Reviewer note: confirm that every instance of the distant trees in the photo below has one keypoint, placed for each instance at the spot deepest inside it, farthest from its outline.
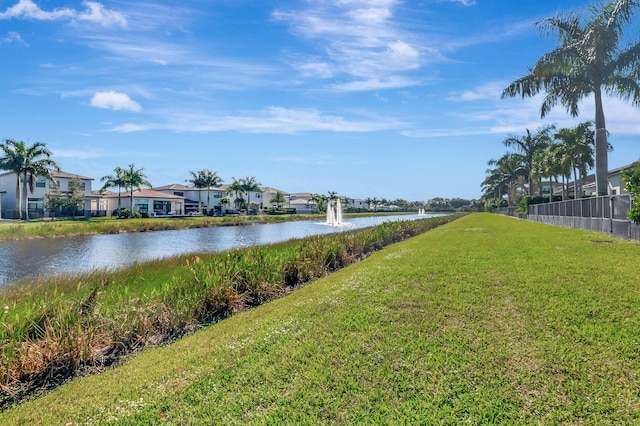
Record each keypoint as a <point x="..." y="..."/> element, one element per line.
<point x="438" y="204"/>
<point x="526" y="147"/>
<point x="204" y="178"/>
<point x="544" y="154"/>
<point x="27" y="162"/>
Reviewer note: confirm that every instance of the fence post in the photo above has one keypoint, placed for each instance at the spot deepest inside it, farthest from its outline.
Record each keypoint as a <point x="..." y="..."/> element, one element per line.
<point x="611" y="214"/>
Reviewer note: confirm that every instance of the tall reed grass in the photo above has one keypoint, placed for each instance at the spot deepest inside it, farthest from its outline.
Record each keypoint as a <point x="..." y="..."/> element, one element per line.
<point x="54" y="329"/>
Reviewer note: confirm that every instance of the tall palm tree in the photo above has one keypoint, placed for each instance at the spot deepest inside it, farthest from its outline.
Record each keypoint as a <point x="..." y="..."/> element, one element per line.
<point x="198" y="182"/>
<point x="116" y="180"/>
<point x="578" y="143"/>
<point x="27" y="162"/>
<point x="505" y="178"/>
<point x="236" y="187"/>
<point x="527" y="146"/>
<point x="135" y="179"/>
<point x="249" y="185"/>
<point x="210" y="179"/>
<point x="589" y="61"/>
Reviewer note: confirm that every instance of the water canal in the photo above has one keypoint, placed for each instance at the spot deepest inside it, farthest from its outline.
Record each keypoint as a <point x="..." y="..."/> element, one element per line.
<point x="25" y="259"/>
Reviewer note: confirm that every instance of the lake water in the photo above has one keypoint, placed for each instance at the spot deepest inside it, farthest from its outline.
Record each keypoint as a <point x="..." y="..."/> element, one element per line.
<point x="25" y="259"/>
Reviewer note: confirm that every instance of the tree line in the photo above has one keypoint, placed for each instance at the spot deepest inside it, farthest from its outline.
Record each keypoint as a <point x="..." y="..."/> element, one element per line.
<point x="594" y="57"/>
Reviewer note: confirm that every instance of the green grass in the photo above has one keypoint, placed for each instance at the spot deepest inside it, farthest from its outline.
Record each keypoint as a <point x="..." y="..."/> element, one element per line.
<point x="484" y="320"/>
<point x="53" y="328"/>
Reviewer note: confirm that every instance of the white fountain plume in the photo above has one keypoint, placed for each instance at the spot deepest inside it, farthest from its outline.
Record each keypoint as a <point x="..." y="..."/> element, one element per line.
<point x="331" y="217"/>
<point x="338" y="213"/>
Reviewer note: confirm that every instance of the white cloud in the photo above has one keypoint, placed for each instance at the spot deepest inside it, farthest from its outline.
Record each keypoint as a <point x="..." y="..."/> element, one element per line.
<point x="393" y="82"/>
<point x="114" y="100"/>
<point x="78" y="154"/>
<point x="463" y="2"/>
<point x="492" y="90"/>
<point x="274" y="120"/>
<point x="356" y="39"/>
<point x="13" y="37"/>
<point x="94" y="13"/>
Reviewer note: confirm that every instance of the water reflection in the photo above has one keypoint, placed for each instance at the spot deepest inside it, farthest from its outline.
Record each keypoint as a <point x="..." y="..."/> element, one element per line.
<point x="26" y="259"/>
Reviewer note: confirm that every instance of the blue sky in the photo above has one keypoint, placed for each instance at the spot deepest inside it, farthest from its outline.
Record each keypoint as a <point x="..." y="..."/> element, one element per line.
<point x="378" y="98"/>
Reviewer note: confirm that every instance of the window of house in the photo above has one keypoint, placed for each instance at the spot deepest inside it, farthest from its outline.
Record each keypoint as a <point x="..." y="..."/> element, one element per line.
<point x="178" y="193"/>
<point x="164" y="206"/>
<point x="141" y="205"/>
<point x="82" y="185"/>
<point x="41" y="182"/>
<point x="35" y="204"/>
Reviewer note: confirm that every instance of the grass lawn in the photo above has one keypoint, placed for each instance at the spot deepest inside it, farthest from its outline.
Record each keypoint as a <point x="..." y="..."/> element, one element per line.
<point x="484" y="320"/>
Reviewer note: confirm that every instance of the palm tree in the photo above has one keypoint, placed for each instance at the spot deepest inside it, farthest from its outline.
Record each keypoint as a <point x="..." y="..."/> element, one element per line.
<point x="588" y="61"/>
<point x="27" y="162"/>
<point x="116" y="180"/>
<point x="278" y="198"/>
<point x="578" y="143"/>
<point x="210" y="179"/>
<point x="134" y="179"/>
<point x="527" y="146"/>
<point x="375" y="202"/>
<point x="545" y="164"/>
<point x="235" y="188"/>
<point x="249" y="185"/>
<point x="198" y="183"/>
<point x="320" y="200"/>
<point x="368" y="200"/>
<point x="505" y="178"/>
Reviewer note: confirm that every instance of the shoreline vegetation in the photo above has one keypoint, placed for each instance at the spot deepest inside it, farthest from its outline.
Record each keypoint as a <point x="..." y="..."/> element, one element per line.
<point x="56" y="328"/>
<point x="484" y="320"/>
<point x="16" y="230"/>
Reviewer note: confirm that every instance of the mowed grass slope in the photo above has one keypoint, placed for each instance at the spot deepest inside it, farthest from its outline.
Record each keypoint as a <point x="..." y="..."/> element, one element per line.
<point x="484" y="320"/>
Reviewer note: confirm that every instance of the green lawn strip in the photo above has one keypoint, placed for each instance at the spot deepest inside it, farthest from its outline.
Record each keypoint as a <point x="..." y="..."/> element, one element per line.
<point x="484" y="320"/>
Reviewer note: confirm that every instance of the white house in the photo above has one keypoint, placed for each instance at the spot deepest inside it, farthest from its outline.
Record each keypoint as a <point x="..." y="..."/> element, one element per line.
<point x="147" y="201"/>
<point x="208" y="198"/>
<point x="35" y="205"/>
<point x="616" y="184"/>
<point x="302" y="202"/>
<point x="267" y="195"/>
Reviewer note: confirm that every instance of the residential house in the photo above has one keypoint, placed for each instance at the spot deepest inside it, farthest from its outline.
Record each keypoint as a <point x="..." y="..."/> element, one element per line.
<point x="268" y="193"/>
<point x="194" y="198"/>
<point x="35" y="204"/>
<point x="302" y="202"/>
<point x="356" y="203"/>
<point x="616" y="184"/>
<point x="146" y="201"/>
<point x="256" y="198"/>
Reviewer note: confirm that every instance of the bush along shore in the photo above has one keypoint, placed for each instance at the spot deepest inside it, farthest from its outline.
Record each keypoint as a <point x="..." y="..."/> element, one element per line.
<point x="58" y="328"/>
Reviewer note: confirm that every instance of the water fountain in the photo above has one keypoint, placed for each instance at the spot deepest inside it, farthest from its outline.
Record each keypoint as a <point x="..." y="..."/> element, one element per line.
<point x="334" y="213"/>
